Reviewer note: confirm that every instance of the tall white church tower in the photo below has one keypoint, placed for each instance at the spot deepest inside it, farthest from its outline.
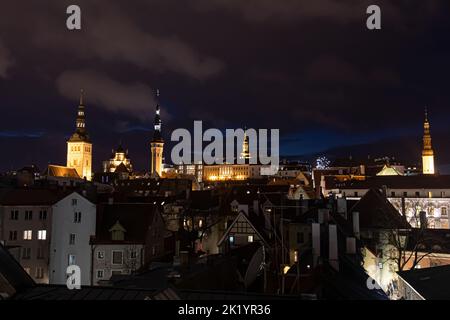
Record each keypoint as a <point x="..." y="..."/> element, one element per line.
<point x="157" y="143"/>
<point x="79" y="146"/>
<point x="427" y="152"/>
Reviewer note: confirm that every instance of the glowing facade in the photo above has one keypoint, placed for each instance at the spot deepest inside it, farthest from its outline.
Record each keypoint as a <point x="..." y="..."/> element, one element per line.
<point x="79" y="146"/>
<point x="119" y="159"/>
<point x="427" y="152"/>
<point x="157" y="144"/>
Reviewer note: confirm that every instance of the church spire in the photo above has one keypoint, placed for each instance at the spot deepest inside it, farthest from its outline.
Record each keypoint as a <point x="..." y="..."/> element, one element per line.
<point x="157" y="136"/>
<point x="427" y="151"/>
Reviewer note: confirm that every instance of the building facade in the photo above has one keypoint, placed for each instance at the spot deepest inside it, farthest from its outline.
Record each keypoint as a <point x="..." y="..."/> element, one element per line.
<point x="73" y="224"/>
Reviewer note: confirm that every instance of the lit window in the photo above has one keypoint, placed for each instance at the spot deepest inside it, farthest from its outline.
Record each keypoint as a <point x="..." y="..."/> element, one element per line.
<point x="39" y="273"/>
<point x="296" y="256"/>
<point x="250" y="238"/>
<point x="231" y="239"/>
<point x="200" y="223"/>
<point x="27" y="235"/>
<point x="42" y="234"/>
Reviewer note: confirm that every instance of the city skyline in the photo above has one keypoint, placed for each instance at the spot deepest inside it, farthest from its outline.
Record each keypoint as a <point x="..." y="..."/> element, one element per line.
<point x="224" y="78"/>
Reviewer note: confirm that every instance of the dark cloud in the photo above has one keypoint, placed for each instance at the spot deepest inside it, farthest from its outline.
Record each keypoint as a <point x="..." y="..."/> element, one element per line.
<point x="6" y="60"/>
<point x="309" y="68"/>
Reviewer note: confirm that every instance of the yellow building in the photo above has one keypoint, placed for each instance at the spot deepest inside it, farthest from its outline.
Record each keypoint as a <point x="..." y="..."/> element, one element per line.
<point x="427" y="152"/>
<point x="119" y="158"/>
<point x="157" y="144"/>
<point x="79" y="146"/>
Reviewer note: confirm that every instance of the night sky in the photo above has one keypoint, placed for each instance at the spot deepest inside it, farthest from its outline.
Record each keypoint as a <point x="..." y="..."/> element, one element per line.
<point x="310" y="68"/>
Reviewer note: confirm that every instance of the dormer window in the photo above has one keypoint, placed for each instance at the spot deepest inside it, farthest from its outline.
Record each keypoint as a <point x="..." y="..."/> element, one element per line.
<point x="117" y="232"/>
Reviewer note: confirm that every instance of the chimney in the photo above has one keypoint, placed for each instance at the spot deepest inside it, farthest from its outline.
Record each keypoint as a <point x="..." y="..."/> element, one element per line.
<point x="423" y="220"/>
<point x="256" y="207"/>
<point x="315" y="242"/>
<point x="342" y="207"/>
<point x="351" y="245"/>
<point x="323" y="215"/>
<point x="184" y="258"/>
<point x="356" y="231"/>
<point x="333" y="247"/>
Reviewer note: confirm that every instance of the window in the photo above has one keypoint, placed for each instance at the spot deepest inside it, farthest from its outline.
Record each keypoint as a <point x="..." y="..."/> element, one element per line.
<point x="356" y="193"/>
<point x="40" y="253"/>
<point x="443" y="211"/>
<point x="72" y="259"/>
<point x="100" y="255"/>
<point x="117" y="257"/>
<point x="405" y="194"/>
<point x="27" y="235"/>
<point x="39" y="273"/>
<point x="43" y="215"/>
<point x="42" y="235"/>
<point x="28" y="215"/>
<point x="250" y="238"/>
<point x="74" y="202"/>
<point x="72" y="239"/>
<point x="77" y="217"/>
<point x="231" y="239"/>
<point x="300" y="237"/>
<point x="13" y="235"/>
<point x="200" y="223"/>
<point x="14" y="215"/>
<point x="26" y="253"/>
<point x="296" y="256"/>
<point x="417" y="193"/>
<point x="392" y="193"/>
<point x="133" y="254"/>
<point x="100" y="274"/>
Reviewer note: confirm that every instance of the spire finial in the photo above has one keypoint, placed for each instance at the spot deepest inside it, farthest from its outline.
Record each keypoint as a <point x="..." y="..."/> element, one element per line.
<point x="81" y="96"/>
<point x="426" y="114"/>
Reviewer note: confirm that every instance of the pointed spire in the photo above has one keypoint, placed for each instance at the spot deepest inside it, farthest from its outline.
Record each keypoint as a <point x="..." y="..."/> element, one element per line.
<point x="426" y="114"/>
<point x="81" y="96"/>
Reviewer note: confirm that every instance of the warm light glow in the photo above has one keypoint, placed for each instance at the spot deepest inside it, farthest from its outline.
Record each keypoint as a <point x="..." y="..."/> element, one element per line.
<point x="286" y="269"/>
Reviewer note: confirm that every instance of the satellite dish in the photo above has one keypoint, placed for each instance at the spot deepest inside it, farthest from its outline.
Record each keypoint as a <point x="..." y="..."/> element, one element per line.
<point x="254" y="267"/>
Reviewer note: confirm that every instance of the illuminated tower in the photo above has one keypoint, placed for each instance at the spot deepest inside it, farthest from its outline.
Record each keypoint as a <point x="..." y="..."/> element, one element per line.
<point x="245" y="154"/>
<point x="157" y="143"/>
<point x="427" y="152"/>
<point x="79" y="146"/>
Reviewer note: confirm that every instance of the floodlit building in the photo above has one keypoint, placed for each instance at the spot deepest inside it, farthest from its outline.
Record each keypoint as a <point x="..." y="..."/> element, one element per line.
<point x="79" y="146"/>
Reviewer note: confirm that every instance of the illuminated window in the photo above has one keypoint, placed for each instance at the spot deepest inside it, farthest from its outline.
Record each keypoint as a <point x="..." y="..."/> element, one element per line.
<point x="42" y="235"/>
<point x="231" y="239"/>
<point x="27" y="235"/>
<point x="250" y="238"/>
<point x="443" y="211"/>
<point x="296" y="256"/>
<point x="200" y="223"/>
